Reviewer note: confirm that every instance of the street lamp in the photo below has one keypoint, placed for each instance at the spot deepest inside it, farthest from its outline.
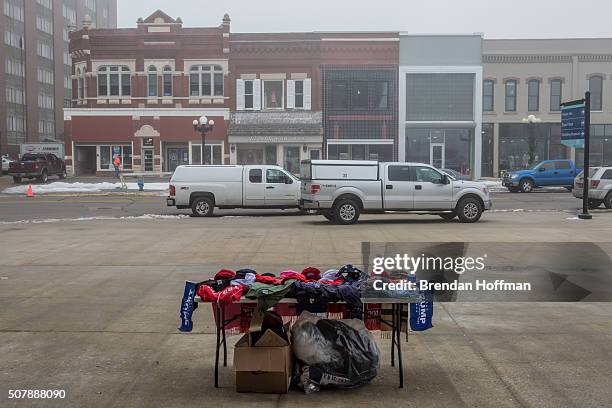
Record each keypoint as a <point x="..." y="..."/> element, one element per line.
<point x="531" y="121"/>
<point x="203" y="126"/>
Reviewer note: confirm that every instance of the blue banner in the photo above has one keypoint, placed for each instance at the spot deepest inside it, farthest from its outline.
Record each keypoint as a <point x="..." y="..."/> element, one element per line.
<point x="573" y="124"/>
<point x="188" y="305"/>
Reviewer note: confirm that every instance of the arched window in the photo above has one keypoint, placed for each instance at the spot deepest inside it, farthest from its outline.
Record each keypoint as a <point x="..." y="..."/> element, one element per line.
<point x="596" y="89"/>
<point x="152" y="81"/>
<point x="206" y="80"/>
<point x="114" y="80"/>
<point x="167" y="80"/>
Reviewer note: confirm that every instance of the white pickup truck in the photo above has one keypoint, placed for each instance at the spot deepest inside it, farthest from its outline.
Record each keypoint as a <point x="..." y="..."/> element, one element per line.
<point x="341" y="190"/>
<point x="202" y="188"/>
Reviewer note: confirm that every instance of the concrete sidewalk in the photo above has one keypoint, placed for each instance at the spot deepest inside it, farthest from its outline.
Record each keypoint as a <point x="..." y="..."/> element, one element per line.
<point x="94" y="311"/>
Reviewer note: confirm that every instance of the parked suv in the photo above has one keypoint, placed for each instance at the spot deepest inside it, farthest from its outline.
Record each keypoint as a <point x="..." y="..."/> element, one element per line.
<point x="600" y="190"/>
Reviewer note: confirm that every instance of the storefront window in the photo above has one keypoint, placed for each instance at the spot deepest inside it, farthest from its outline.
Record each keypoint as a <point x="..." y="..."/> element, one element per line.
<point x="291" y="162"/>
<point x="196" y="154"/>
<point x="521" y="146"/>
<point x="248" y="155"/>
<point x="600" y="149"/>
<point x="213" y="151"/>
<point x="443" y="148"/>
<point x="105" y="158"/>
<point x="271" y="155"/>
<point x="273" y="94"/>
<point x="376" y="152"/>
<point x="107" y="155"/>
<point x="488" y="141"/>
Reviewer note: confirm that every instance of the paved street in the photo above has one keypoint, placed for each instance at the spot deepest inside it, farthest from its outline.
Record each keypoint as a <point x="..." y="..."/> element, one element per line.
<point x="16" y="208"/>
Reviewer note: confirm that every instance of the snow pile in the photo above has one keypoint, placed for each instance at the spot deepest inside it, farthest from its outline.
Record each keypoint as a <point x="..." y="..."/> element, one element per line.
<point x="61" y="187"/>
<point x="132" y="217"/>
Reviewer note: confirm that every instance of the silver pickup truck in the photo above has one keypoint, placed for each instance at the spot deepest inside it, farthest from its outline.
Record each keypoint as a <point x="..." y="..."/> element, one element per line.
<point x="341" y="190"/>
<point x="202" y="188"/>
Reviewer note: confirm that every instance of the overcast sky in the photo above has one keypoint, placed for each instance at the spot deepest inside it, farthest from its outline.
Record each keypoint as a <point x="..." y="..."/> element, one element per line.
<point x="495" y="18"/>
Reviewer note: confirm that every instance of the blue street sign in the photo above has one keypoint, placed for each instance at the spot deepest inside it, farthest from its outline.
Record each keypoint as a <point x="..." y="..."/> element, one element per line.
<point x="573" y="124"/>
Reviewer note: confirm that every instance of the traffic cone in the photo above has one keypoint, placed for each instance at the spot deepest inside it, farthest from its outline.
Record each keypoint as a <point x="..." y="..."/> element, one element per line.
<point x="30" y="191"/>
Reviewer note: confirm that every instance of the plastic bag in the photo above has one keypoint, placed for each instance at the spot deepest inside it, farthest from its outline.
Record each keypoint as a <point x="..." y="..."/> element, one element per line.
<point x="333" y="353"/>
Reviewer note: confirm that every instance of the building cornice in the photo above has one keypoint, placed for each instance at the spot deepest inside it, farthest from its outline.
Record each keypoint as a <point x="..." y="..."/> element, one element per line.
<point x="525" y="59"/>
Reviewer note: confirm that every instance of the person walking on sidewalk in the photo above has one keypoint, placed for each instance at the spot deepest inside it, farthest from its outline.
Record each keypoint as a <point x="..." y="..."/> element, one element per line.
<point x="118" y="173"/>
<point x="117" y="165"/>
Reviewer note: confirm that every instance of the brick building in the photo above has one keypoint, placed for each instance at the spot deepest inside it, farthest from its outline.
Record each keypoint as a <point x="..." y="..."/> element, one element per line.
<point x="276" y="113"/>
<point x="360" y="95"/>
<point x="136" y="92"/>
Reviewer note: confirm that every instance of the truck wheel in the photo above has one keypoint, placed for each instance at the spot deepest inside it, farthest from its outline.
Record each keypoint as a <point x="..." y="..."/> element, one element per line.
<point x="16" y="180"/>
<point x="608" y="201"/>
<point x="593" y="204"/>
<point x="63" y="175"/>
<point x="328" y="215"/>
<point x="203" y="207"/>
<point x="448" y="216"/>
<point x="526" y="186"/>
<point x="346" y="212"/>
<point x="44" y="177"/>
<point x="469" y="210"/>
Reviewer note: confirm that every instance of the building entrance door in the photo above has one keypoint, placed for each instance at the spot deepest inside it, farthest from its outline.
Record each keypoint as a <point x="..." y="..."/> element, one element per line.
<point x="436" y="155"/>
<point x="147" y="159"/>
<point x="177" y="156"/>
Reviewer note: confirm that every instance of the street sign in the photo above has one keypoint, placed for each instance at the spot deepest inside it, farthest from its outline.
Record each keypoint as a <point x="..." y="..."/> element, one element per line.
<point x="573" y="123"/>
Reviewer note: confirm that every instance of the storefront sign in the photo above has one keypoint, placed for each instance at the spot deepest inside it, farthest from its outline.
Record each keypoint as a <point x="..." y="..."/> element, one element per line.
<point x="276" y="139"/>
<point x="573" y="123"/>
<point x="147" y="142"/>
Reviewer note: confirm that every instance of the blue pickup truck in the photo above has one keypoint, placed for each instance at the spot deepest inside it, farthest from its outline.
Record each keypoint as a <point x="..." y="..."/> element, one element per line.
<point x="549" y="173"/>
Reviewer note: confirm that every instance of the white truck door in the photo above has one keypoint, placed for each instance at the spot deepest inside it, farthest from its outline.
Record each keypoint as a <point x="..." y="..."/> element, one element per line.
<point x="254" y="195"/>
<point x="429" y="192"/>
<point x="281" y="189"/>
<point x="398" y="188"/>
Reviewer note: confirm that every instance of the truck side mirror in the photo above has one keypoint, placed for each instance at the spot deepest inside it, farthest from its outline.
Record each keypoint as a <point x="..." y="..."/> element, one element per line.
<point x="288" y="180"/>
<point x="542" y="169"/>
<point x="444" y="179"/>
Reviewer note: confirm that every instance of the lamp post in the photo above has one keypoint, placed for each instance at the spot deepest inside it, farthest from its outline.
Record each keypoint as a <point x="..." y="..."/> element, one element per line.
<point x="531" y="122"/>
<point x="203" y="126"/>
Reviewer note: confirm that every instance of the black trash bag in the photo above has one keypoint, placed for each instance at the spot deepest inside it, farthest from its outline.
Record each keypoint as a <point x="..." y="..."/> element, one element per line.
<point x="333" y="353"/>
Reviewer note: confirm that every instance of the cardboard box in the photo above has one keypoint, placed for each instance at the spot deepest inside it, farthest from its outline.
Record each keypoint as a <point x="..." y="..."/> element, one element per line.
<point x="264" y="368"/>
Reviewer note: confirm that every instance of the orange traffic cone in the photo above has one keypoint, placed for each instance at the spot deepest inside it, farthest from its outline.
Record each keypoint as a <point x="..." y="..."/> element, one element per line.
<point x="30" y="191"/>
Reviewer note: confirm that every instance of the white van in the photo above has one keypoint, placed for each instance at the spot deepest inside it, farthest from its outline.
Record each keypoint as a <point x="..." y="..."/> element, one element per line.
<point x="202" y="188"/>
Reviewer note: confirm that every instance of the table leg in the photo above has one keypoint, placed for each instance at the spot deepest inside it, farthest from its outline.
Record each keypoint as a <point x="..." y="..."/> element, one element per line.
<point x="223" y="331"/>
<point x="219" y="323"/>
<point x="393" y="324"/>
<point x="399" y="345"/>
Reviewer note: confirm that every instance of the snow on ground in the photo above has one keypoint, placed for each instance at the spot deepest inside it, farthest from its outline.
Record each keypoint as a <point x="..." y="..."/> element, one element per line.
<point x="140" y="217"/>
<point x="61" y="187"/>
